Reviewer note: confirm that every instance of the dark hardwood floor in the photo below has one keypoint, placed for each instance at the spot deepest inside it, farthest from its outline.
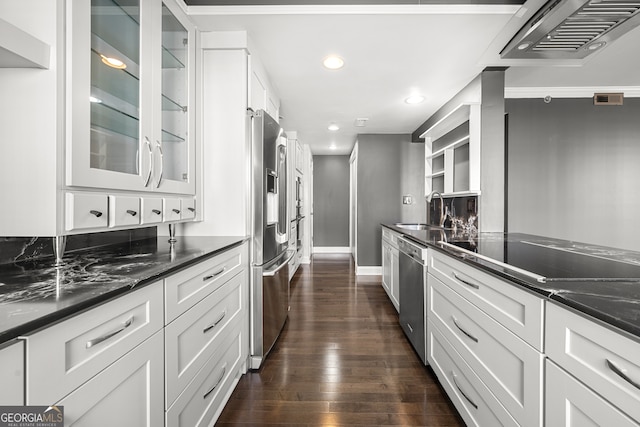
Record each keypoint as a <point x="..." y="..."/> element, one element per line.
<point x="342" y="360"/>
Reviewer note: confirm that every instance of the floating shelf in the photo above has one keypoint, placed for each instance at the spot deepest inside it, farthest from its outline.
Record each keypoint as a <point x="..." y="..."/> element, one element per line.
<point x="19" y="49"/>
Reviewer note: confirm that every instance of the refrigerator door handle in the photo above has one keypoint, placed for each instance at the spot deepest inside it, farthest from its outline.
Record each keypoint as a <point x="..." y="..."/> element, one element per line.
<point x="278" y="267"/>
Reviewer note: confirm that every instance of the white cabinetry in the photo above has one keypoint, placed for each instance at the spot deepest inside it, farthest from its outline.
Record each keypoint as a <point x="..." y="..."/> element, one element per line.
<point x="135" y="138"/>
<point x="452" y="153"/>
<point x="129" y="392"/>
<point x="206" y="337"/>
<point x="12" y="374"/>
<point x="605" y="364"/>
<point x="491" y="328"/>
<point x="130" y="128"/>
<point x="390" y="266"/>
<point x="62" y="357"/>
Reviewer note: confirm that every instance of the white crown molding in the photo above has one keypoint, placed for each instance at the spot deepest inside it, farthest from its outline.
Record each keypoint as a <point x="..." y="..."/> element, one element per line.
<point x="430" y="9"/>
<point x="569" y="92"/>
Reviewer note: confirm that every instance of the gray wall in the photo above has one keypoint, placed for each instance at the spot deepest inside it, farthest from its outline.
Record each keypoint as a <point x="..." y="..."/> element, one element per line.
<point x="389" y="166"/>
<point x="574" y="170"/>
<point x="331" y="201"/>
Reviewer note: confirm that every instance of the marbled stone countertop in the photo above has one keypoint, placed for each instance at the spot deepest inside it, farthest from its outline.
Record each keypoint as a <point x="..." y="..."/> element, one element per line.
<point x="598" y="281"/>
<point x="36" y="293"/>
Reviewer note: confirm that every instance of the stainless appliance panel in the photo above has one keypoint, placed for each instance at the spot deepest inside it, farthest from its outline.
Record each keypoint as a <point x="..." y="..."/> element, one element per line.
<point x="412" y="296"/>
<point x="271" y="289"/>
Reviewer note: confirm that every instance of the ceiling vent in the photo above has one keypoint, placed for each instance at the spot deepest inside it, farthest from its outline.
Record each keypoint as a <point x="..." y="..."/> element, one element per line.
<point x="361" y="122"/>
<point x="608" y="98"/>
<point x="573" y="28"/>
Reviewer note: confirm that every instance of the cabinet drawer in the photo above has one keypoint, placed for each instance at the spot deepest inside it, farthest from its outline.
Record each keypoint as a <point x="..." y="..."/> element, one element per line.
<point x="12" y="374"/>
<point x="62" y="357"/>
<point x="171" y="210"/>
<point x="390" y="236"/>
<point x="517" y="310"/>
<point x="193" y="337"/>
<point x="570" y="403"/>
<point x="151" y="210"/>
<point x="184" y="289"/>
<point x="596" y="355"/>
<point x="475" y="403"/>
<point x="203" y="400"/>
<point x="124" y="210"/>
<point x="187" y="208"/>
<point x="86" y="211"/>
<point x="510" y="367"/>
<point x="127" y="393"/>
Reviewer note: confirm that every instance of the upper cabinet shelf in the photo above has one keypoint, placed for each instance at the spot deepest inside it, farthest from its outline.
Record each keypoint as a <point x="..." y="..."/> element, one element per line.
<point x="19" y="49"/>
<point x="452" y="152"/>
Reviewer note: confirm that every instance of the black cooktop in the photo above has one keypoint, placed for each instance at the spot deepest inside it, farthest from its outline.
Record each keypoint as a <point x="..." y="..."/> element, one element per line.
<point x="555" y="260"/>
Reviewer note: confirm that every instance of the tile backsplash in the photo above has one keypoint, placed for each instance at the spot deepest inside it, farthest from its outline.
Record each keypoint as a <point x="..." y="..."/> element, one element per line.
<point x="16" y="249"/>
<point x="463" y="211"/>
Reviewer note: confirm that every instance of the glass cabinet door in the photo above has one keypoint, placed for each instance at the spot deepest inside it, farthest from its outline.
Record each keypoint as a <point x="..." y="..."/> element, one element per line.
<point x="115" y="86"/>
<point x="174" y="146"/>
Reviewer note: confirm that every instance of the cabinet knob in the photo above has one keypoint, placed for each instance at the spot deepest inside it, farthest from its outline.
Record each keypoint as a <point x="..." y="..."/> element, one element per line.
<point x="156" y="211"/>
<point x="177" y="211"/>
<point x="132" y="213"/>
<point x="192" y="209"/>
<point x="98" y="214"/>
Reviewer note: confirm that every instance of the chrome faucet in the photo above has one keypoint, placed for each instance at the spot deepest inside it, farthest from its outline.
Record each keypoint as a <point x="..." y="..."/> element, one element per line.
<point x="442" y="213"/>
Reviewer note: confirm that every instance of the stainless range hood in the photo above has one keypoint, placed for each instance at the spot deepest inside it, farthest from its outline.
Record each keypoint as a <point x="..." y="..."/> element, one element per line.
<point x="573" y="29"/>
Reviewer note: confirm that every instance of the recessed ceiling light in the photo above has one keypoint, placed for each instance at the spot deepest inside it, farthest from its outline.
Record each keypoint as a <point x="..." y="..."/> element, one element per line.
<point x="414" y="99"/>
<point x="333" y="127"/>
<point x="113" y="62"/>
<point x="333" y="62"/>
<point x="332" y="147"/>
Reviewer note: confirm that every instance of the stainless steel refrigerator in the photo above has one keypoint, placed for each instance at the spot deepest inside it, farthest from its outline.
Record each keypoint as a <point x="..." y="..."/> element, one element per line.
<point x="270" y="235"/>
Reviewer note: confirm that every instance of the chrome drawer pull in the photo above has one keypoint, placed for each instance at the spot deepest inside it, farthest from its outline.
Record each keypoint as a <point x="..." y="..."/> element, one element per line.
<point x="453" y="376"/>
<point x="214" y="324"/>
<point x="410" y="328"/>
<point x="98" y="214"/>
<point x="455" y="322"/>
<point x="108" y="335"/>
<point x="621" y="373"/>
<point x="217" y="273"/>
<point x="473" y="285"/>
<point x="224" y="370"/>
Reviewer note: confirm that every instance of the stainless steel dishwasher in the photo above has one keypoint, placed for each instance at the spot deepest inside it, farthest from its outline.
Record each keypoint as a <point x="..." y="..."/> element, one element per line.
<point x="412" y="294"/>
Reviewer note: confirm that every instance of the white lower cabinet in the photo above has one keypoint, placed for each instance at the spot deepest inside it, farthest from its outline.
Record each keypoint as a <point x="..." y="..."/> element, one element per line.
<point x="570" y="403"/>
<point x="390" y="266"/>
<point x="475" y="403"/>
<point x="494" y="331"/>
<point x="605" y="361"/>
<point x="202" y="401"/>
<point x="12" y="374"/>
<point x="128" y="363"/>
<point x="127" y="393"/>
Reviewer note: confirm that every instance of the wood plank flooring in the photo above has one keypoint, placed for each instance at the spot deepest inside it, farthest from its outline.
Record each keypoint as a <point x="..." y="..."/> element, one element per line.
<point x="342" y="360"/>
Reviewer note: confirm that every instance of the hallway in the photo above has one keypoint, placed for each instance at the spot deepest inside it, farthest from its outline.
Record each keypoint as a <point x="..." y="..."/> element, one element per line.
<point x="342" y="360"/>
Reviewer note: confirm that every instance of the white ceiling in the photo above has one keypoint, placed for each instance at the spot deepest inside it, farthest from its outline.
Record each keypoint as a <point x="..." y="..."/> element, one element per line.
<point x="391" y="52"/>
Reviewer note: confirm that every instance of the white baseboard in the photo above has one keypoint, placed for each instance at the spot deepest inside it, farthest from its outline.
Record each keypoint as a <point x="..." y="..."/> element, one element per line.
<point x="331" y="250"/>
<point x="369" y="271"/>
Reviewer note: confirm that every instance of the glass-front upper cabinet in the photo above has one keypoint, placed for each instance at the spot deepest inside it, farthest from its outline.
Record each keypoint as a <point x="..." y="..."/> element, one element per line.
<point x="175" y="145"/>
<point x="130" y="82"/>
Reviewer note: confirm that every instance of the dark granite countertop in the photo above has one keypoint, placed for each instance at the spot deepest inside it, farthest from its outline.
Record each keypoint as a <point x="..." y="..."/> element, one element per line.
<point x="598" y="281"/>
<point x="37" y="293"/>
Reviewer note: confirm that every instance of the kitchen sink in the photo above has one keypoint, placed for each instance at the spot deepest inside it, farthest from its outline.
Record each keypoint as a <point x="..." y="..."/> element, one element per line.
<point x="412" y="226"/>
